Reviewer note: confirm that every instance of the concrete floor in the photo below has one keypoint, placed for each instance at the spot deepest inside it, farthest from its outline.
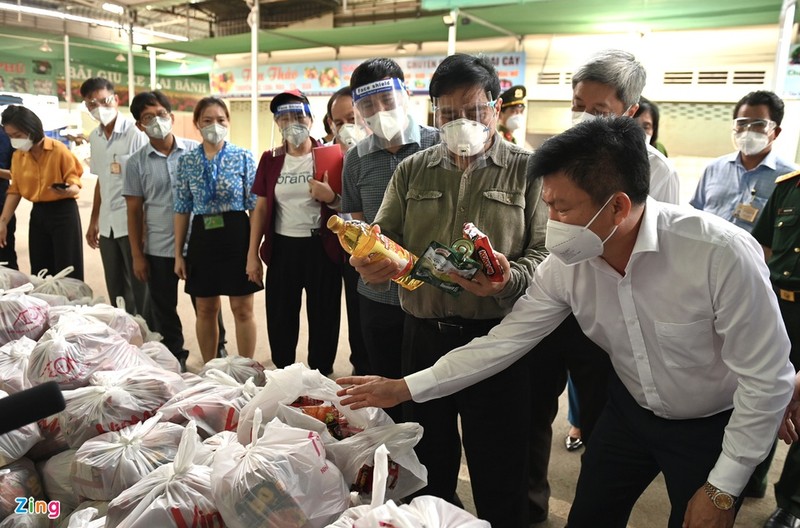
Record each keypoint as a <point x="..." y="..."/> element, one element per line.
<point x="651" y="511"/>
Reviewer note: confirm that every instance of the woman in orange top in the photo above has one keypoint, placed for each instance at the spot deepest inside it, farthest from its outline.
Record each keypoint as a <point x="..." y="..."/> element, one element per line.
<point x="45" y="172"/>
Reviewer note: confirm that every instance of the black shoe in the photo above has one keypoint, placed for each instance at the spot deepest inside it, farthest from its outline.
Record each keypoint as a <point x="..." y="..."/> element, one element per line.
<point x="780" y="518"/>
<point x="182" y="362"/>
<point x="539" y="519"/>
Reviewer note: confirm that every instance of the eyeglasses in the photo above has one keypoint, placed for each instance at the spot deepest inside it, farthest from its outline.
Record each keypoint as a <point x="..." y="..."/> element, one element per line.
<point x="765" y="126"/>
<point x="147" y="119"/>
<point x="480" y="112"/>
<point x="91" y="104"/>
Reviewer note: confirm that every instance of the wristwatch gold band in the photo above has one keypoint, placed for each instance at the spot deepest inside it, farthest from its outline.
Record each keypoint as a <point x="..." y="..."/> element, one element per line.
<point x="720" y="499"/>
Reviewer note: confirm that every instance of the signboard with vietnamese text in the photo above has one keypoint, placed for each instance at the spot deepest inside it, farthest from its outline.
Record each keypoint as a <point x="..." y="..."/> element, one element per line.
<point x="324" y="78"/>
<point x="46" y="77"/>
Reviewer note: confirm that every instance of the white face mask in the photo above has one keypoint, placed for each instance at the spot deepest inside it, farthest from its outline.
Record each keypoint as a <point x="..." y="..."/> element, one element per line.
<point x="648" y="138"/>
<point x="296" y="134"/>
<point x="104" y="114"/>
<point x="581" y="117"/>
<point x="159" y="128"/>
<point x="386" y="124"/>
<point x="572" y="244"/>
<point x="465" y="137"/>
<point x="750" y="143"/>
<point x="214" y="133"/>
<point x="22" y="144"/>
<point x="350" y="134"/>
<point x="515" y="122"/>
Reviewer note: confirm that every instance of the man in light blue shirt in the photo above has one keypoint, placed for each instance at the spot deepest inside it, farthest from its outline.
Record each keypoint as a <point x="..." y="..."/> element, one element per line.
<point x="736" y="186"/>
<point x="147" y="188"/>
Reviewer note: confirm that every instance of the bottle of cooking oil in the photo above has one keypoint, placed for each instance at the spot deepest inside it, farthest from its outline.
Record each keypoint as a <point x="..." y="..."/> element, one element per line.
<point x="360" y="239"/>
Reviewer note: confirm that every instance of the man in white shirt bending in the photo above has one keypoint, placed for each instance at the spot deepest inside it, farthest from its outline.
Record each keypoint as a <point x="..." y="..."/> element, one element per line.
<point x="681" y="302"/>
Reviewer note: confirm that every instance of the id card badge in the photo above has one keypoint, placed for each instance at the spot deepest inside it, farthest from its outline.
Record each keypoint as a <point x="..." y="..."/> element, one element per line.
<point x="116" y="167"/>
<point x="746" y="212"/>
<point x="213" y="221"/>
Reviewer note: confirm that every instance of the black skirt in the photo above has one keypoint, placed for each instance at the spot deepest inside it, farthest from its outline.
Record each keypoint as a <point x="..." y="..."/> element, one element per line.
<point x="216" y="261"/>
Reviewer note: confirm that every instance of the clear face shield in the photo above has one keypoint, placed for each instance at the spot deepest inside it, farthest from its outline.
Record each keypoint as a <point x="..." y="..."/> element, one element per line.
<point x="751" y="136"/>
<point x="292" y="124"/>
<point x="382" y="110"/>
<point x="466" y="129"/>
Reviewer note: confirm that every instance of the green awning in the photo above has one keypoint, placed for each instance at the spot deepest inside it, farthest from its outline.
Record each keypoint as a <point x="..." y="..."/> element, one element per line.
<point x="523" y="18"/>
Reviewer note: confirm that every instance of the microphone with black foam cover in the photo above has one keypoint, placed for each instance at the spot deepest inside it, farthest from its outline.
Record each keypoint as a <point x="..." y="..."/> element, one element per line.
<point x="30" y="405"/>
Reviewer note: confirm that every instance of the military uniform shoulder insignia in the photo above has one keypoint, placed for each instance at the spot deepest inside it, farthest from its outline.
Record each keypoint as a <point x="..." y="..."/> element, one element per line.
<point x="787" y="177"/>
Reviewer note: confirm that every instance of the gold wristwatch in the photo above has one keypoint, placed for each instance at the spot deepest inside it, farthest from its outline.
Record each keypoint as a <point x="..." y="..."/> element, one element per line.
<point x="719" y="498"/>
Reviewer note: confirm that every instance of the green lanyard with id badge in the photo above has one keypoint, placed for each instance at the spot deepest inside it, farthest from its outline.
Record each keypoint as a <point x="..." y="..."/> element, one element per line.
<point x="211" y="173"/>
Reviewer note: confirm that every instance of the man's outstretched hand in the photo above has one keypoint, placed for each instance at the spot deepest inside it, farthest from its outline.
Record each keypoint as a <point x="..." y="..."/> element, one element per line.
<point x="372" y="391"/>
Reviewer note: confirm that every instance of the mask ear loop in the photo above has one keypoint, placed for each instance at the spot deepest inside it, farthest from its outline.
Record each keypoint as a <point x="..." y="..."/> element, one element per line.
<point x="598" y="212"/>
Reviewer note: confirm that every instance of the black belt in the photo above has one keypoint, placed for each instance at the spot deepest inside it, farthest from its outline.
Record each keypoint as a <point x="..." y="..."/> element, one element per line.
<point x="458" y="326"/>
<point x="316" y="231"/>
<point x="788" y="295"/>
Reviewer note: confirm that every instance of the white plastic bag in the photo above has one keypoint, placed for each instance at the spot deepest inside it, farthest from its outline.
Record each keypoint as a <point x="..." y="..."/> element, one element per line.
<point x="212" y="444"/>
<point x="14" y="358"/>
<point x="147" y="334"/>
<point x="422" y="512"/>
<point x="159" y="353"/>
<point x="108" y="464"/>
<point x="52" y="300"/>
<point x="55" y="473"/>
<point x="214" y="404"/>
<point x="286" y="385"/>
<point x="88" y="514"/>
<point x="115" y="400"/>
<point x="26" y="520"/>
<point x="76" y="347"/>
<point x="280" y="479"/>
<point x="11" y="278"/>
<point x="60" y="284"/>
<point x="174" y="495"/>
<point x="119" y="320"/>
<point x="239" y="368"/>
<point x="21" y="315"/>
<point x="15" y="444"/>
<point x="18" y="479"/>
<point x="52" y="442"/>
<point x="355" y="455"/>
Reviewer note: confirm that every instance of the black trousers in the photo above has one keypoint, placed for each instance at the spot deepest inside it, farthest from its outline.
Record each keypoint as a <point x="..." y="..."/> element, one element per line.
<point x="493" y="424"/>
<point x="787" y="489"/>
<point x="629" y="447"/>
<point x="8" y="254"/>
<point x="565" y="349"/>
<point x="382" y="331"/>
<point x="301" y="264"/>
<point x="358" y="350"/>
<point x="115" y="253"/>
<point x="163" y="285"/>
<point x="55" y="237"/>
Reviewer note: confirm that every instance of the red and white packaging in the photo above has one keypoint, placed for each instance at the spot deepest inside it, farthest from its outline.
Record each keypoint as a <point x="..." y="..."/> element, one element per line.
<point x="483" y="252"/>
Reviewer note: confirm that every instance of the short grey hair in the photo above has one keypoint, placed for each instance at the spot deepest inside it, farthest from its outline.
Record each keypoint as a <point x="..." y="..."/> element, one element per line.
<point x="616" y="68"/>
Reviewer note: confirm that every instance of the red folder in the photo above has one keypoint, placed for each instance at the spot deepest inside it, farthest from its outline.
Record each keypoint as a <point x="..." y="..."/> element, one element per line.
<point x="331" y="159"/>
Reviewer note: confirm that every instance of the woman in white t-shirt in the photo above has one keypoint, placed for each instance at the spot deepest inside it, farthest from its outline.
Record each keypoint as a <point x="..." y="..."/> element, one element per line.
<point x="289" y="234"/>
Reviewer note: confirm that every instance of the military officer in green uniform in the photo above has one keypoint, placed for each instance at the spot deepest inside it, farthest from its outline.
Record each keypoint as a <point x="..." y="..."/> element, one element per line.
<point x="511" y="112"/>
<point x="778" y="230"/>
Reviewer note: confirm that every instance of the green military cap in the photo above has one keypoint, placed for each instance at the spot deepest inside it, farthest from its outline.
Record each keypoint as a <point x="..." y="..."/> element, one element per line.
<point x="514" y="96"/>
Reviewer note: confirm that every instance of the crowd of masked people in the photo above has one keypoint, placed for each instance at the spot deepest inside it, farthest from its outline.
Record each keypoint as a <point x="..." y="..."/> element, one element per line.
<point x="678" y="327"/>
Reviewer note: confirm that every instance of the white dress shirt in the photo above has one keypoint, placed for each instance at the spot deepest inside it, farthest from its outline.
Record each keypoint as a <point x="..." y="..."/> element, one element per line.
<point x="664" y="182"/>
<point x="692" y="329"/>
<point x="124" y="141"/>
